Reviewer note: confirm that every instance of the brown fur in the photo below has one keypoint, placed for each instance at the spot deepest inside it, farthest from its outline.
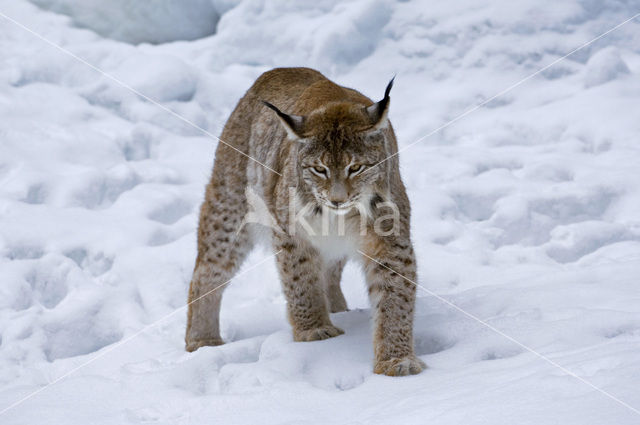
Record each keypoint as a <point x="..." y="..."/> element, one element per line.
<point x="331" y="128"/>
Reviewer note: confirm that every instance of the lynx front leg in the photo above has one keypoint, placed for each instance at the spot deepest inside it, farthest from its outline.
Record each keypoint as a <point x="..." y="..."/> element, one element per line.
<point x="335" y="297"/>
<point x="300" y="270"/>
<point x="393" y="298"/>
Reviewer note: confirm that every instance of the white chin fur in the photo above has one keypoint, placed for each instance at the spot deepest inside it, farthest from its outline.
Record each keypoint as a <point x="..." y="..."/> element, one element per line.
<point x="339" y="211"/>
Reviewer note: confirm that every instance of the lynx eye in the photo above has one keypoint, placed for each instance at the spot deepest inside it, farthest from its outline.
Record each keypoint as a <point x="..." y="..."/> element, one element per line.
<point x="355" y="169"/>
<point x="320" y="171"/>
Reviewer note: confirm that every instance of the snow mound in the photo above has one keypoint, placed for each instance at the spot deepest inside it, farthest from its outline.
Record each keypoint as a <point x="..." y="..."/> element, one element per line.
<point x="331" y="35"/>
<point x="132" y="21"/>
<point x="162" y="78"/>
<point x="604" y="66"/>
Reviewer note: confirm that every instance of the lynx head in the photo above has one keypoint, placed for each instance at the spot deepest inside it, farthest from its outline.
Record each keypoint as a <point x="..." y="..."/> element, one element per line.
<point x="338" y="143"/>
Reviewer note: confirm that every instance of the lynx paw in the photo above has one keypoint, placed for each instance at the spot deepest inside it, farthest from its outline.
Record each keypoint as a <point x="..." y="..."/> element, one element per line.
<point x="193" y="345"/>
<point x="317" y="334"/>
<point x="410" y="365"/>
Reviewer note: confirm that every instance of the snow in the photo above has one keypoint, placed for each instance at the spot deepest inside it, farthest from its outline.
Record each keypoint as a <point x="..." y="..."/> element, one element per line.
<point x="157" y="21"/>
<point x="525" y="212"/>
<point x="605" y="65"/>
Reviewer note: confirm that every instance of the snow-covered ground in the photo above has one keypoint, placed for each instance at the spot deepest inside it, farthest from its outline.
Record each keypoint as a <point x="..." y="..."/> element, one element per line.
<point x="525" y="212"/>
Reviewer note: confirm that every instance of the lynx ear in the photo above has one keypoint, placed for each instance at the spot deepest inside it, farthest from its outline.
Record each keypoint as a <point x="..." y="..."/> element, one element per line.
<point x="377" y="112"/>
<point x="294" y="124"/>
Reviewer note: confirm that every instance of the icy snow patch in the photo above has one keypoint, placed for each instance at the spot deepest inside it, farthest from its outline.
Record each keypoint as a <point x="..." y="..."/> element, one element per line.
<point x="132" y="21"/>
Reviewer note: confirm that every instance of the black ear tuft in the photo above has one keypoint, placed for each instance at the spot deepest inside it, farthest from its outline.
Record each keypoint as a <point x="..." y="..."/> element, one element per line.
<point x="378" y="111"/>
<point x="389" y="87"/>
<point x="294" y="124"/>
<point x="271" y="106"/>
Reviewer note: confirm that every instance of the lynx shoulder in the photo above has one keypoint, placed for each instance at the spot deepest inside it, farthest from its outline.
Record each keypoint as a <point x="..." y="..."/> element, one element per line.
<point x="314" y="166"/>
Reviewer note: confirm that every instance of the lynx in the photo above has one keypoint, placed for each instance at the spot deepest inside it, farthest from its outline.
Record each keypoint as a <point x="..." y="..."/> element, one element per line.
<point x="321" y="168"/>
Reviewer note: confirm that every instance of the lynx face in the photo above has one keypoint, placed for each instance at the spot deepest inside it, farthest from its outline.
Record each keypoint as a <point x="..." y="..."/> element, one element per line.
<point x="333" y="165"/>
<point x="338" y="143"/>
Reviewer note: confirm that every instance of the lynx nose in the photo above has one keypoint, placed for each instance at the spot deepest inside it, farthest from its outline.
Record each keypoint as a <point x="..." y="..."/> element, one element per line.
<point x="337" y="194"/>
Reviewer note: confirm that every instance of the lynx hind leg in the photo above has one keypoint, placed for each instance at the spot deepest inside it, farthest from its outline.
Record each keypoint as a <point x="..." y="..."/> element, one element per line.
<point x="203" y="322"/>
<point x="335" y="297"/>
<point x="302" y="281"/>
<point x="222" y="247"/>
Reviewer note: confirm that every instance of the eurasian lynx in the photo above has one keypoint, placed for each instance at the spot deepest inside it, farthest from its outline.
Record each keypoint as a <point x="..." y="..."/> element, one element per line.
<point x="333" y="196"/>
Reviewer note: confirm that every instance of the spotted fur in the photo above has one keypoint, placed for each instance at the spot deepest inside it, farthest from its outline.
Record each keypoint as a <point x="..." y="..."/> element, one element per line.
<point x="292" y="120"/>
